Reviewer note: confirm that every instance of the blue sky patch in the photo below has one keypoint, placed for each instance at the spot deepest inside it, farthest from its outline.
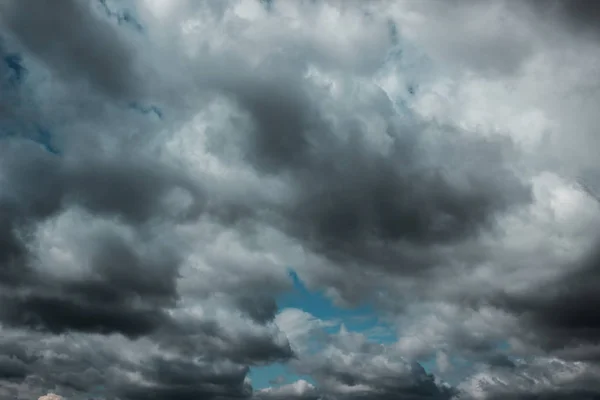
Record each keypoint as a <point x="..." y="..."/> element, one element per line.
<point x="268" y="4"/>
<point x="363" y="319"/>
<point x="147" y="110"/>
<point x="39" y="135"/>
<point x="275" y="375"/>
<point x="17" y="70"/>
<point x="44" y="137"/>
<point x="123" y="17"/>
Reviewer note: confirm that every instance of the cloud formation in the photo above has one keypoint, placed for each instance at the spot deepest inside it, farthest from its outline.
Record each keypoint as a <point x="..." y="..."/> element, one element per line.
<point x="50" y="396"/>
<point x="163" y="164"/>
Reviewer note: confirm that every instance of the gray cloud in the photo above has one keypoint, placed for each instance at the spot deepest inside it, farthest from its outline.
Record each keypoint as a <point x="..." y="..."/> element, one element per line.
<point x="189" y="380"/>
<point x="562" y="313"/>
<point x="354" y="203"/>
<point x="111" y="366"/>
<point x="85" y="47"/>
<point x="44" y="185"/>
<point x="540" y="378"/>
<point x="347" y="365"/>
<point x="581" y="16"/>
<point x="427" y="171"/>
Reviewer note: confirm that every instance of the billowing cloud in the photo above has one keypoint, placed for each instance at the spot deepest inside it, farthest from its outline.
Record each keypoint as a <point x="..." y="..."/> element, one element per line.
<point x="85" y="48"/>
<point x="347" y="365"/>
<point x="164" y="164"/>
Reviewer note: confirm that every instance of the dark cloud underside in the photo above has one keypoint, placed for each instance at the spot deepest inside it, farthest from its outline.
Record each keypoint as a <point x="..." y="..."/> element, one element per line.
<point x="158" y="183"/>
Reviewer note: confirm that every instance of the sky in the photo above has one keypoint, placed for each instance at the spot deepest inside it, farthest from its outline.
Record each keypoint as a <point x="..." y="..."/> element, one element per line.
<point x="311" y="199"/>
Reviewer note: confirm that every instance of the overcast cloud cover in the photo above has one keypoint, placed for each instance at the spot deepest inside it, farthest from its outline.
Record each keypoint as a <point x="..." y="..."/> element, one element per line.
<point x="164" y="164"/>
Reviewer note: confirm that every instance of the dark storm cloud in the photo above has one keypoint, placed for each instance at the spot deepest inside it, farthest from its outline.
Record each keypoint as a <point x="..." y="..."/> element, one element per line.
<point x="374" y="193"/>
<point x="211" y="364"/>
<point x="43" y="185"/>
<point x="584" y="13"/>
<point x="260" y="308"/>
<point x="126" y="186"/>
<point x="12" y="368"/>
<point x="186" y="380"/>
<point x="80" y="365"/>
<point x="581" y="16"/>
<point x="60" y="315"/>
<point x="134" y="189"/>
<point x="75" y="43"/>
<point x="352" y="202"/>
<point x="283" y="120"/>
<point x="499" y="361"/>
<point x="103" y="302"/>
<point x="204" y="391"/>
<point x="74" y="369"/>
<point x="565" y="312"/>
<point x="216" y="341"/>
<point x="128" y="284"/>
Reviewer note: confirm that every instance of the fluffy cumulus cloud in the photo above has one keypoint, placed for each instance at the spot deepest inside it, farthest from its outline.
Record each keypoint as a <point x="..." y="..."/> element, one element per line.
<point x="163" y="165"/>
<point x="348" y="365"/>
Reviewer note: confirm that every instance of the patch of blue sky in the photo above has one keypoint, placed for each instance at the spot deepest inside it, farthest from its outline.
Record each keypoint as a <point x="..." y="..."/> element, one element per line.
<point x="503" y="346"/>
<point x="267" y="4"/>
<point x="16" y="71"/>
<point x="45" y="138"/>
<point x="393" y="31"/>
<point x="10" y="129"/>
<point x="454" y="373"/>
<point x="362" y="319"/>
<point x="124" y="17"/>
<point x="458" y="369"/>
<point x="11" y="125"/>
<point x="412" y="67"/>
<point x="147" y="110"/>
<point x="275" y="375"/>
<point x="429" y="364"/>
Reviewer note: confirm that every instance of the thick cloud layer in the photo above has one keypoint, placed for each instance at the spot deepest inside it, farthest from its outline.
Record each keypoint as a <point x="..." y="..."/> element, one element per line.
<point x="163" y="164"/>
<point x="86" y="47"/>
